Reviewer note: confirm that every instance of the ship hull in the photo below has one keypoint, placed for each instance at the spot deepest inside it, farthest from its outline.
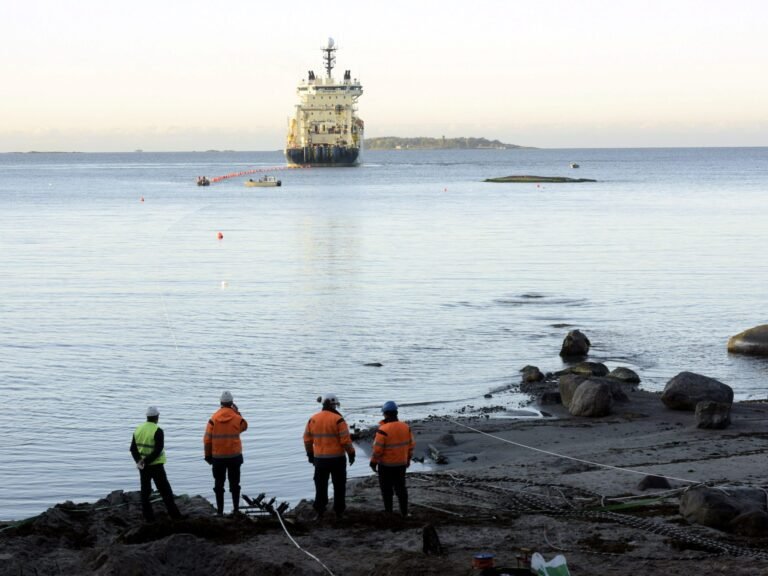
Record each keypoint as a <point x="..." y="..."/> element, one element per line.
<point x="323" y="156"/>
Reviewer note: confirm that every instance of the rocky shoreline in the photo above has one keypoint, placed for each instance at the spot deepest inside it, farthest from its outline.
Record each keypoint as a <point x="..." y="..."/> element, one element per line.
<point x="642" y="488"/>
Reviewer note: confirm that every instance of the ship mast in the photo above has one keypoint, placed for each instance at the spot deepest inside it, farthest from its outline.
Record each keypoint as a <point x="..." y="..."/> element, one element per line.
<point x="330" y="56"/>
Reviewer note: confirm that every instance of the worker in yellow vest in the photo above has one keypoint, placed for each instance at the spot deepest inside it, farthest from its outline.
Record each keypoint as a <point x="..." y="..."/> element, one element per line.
<point x="148" y="451"/>
<point x="328" y="445"/>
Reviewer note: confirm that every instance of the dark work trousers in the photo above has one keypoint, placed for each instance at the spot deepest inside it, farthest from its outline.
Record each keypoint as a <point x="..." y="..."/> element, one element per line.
<point x="392" y="479"/>
<point x="336" y="468"/>
<point x="224" y="468"/>
<point x="156" y="473"/>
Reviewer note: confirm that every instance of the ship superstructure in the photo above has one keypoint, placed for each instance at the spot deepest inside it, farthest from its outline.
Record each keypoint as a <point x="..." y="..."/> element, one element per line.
<point x="325" y="129"/>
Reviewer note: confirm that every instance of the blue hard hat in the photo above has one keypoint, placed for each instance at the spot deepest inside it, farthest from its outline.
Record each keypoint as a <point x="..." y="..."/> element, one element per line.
<point x="389" y="406"/>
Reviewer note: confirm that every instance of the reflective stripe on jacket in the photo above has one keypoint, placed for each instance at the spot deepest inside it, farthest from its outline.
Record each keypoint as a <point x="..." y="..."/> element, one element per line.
<point x="222" y="434"/>
<point x="327" y="435"/>
<point x="144" y="436"/>
<point x="393" y="444"/>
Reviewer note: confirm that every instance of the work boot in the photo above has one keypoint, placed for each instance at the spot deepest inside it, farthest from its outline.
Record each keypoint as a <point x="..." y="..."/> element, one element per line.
<point x="235" y="501"/>
<point x="219" y="504"/>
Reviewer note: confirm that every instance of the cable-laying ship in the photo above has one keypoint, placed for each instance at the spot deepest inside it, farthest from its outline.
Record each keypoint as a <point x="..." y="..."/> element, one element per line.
<point x="325" y="130"/>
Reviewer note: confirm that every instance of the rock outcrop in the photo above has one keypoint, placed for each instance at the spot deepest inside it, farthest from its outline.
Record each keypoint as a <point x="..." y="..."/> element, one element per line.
<point x="753" y="341"/>
<point x="589" y="369"/>
<point x="575" y="345"/>
<point x="592" y="398"/>
<point x="624" y="375"/>
<point x="567" y="387"/>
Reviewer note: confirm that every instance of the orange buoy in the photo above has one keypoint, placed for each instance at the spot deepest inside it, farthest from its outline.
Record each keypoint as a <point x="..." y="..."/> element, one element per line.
<point x="220" y="236"/>
<point x="142" y="198"/>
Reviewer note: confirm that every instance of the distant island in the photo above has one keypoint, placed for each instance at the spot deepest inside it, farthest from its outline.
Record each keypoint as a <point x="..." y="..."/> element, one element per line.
<point x="424" y="143"/>
<point x="529" y="179"/>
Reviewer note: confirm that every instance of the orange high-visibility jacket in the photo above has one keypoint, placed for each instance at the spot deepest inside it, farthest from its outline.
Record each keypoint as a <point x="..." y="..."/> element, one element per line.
<point x="222" y="434"/>
<point x="327" y="435"/>
<point x="393" y="444"/>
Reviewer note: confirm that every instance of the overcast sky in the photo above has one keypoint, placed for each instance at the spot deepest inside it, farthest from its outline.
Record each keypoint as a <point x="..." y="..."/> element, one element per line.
<point x="95" y="75"/>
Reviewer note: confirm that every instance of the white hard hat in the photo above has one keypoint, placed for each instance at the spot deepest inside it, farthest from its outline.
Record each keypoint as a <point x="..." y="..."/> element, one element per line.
<point x="226" y="397"/>
<point x="153" y="411"/>
<point x="329" y="398"/>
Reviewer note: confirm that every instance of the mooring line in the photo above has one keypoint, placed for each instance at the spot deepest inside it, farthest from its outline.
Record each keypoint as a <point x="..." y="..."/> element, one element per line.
<point x="315" y="558"/>
<point x="598" y="464"/>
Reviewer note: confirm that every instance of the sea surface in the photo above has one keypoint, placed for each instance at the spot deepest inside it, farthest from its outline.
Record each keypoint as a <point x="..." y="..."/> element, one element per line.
<point x="117" y="294"/>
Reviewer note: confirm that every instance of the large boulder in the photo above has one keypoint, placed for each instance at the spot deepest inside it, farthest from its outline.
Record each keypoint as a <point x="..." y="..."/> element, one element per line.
<point x="719" y="507"/>
<point x="589" y="369"/>
<point x="531" y="374"/>
<point x="753" y="523"/>
<point x="575" y="345"/>
<point x="687" y="389"/>
<point x="753" y="341"/>
<point x="624" y="375"/>
<point x="592" y="398"/>
<point x="567" y="385"/>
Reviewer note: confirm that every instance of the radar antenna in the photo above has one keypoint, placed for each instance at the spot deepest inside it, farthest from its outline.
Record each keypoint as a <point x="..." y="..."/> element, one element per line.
<point x="329" y="56"/>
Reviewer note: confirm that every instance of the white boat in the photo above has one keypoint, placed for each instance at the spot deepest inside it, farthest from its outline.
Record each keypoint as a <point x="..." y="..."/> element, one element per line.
<point x="263" y="182"/>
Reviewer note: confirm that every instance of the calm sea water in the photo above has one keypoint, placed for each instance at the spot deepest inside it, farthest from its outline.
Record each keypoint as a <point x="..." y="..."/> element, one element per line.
<point x="109" y="304"/>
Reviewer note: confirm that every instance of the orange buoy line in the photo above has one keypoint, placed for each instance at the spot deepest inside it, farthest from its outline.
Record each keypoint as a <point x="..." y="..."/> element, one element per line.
<point x="254" y="171"/>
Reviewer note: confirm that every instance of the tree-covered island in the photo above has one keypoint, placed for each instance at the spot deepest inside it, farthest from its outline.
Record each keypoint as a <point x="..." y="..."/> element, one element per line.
<point x="425" y="143"/>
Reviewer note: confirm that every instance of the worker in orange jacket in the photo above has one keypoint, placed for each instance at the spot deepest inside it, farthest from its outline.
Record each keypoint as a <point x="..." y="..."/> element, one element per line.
<point x="224" y="451"/>
<point x="327" y="440"/>
<point x="393" y="446"/>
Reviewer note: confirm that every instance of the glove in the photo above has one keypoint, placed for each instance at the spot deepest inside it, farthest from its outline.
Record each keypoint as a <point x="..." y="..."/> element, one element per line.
<point x="374" y="467"/>
<point x="351" y="458"/>
<point x="140" y="464"/>
<point x="311" y="458"/>
<point x="209" y="460"/>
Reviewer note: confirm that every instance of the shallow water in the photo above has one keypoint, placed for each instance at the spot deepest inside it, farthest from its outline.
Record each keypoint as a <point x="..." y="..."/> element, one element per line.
<point x="109" y="304"/>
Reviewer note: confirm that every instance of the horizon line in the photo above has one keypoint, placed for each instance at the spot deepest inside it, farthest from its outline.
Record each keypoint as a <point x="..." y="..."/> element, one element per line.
<point x="516" y="148"/>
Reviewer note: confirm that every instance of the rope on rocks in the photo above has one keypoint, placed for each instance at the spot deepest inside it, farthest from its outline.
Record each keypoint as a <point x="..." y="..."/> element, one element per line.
<point x="598" y="464"/>
<point x="526" y="503"/>
<point x="315" y="558"/>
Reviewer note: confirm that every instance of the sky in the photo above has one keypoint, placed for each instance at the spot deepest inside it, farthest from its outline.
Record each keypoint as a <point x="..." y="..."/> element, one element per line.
<point x="171" y="75"/>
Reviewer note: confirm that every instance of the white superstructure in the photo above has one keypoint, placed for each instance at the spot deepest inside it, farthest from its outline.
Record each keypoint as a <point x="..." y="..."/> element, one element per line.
<point x="325" y="129"/>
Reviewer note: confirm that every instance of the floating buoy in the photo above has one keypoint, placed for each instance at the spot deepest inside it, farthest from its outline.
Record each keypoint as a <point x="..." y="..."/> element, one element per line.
<point x="142" y="199"/>
<point x="224" y="284"/>
<point x="445" y="189"/>
<point x="219" y="235"/>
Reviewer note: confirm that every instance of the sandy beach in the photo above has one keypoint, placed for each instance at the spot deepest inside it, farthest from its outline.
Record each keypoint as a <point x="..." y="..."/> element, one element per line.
<point x="553" y="485"/>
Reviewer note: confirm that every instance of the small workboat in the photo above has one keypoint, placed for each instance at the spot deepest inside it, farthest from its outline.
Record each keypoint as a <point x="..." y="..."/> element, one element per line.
<point x="203" y="181"/>
<point x="574" y="165"/>
<point x="263" y="182"/>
